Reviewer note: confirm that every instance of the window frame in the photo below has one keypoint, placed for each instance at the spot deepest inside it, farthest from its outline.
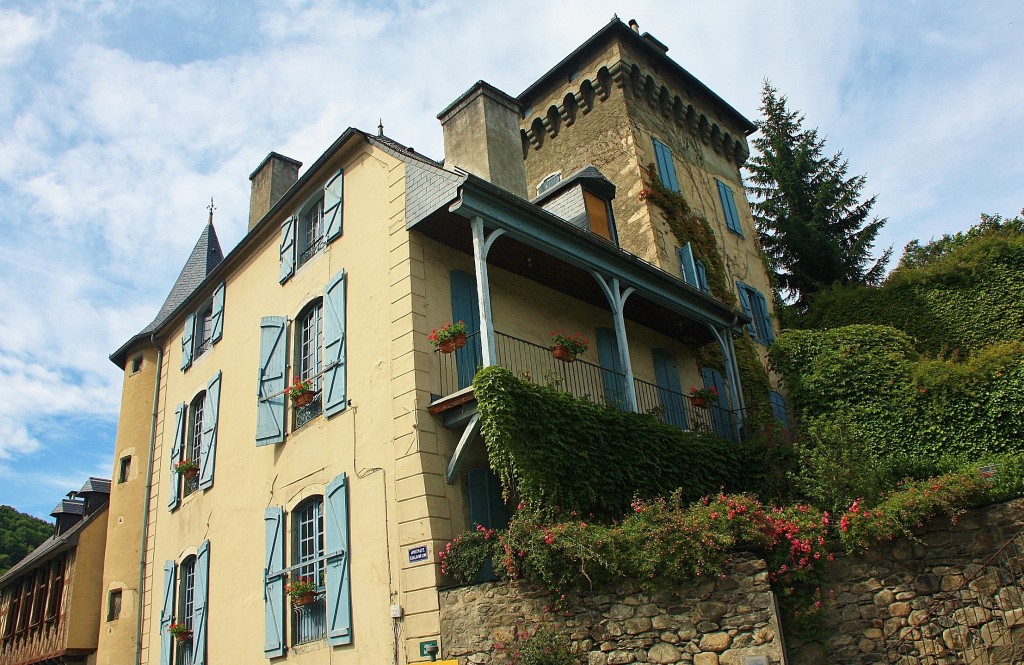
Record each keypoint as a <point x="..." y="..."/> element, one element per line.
<point x="124" y="470"/>
<point x="764" y="332"/>
<point x="137" y="363"/>
<point x="308" y="558"/>
<point x="308" y="356"/>
<point x="114" y="598"/>
<point x="548" y="181"/>
<point x="192" y="446"/>
<point x="310" y="231"/>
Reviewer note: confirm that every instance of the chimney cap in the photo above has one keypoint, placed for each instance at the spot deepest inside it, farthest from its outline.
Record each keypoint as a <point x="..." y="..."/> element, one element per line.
<point x="633" y="24"/>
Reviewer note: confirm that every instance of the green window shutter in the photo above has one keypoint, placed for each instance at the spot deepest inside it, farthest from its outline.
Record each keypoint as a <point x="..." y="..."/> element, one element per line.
<point x="333" y="206"/>
<point x="176" y="444"/>
<point x="272" y="380"/>
<point x="702" y="275"/>
<point x="334" y="392"/>
<point x="764" y="318"/>
<point x="670" y="391"/>
<point x="167" y="613"/>
<point x="666" y="167"/>
<point x="465" y="308"/>
<point x="779" y="410"/>
<point x="337" y="565"/>
<point x="486" y="506"/>
<point x="186" y="342"/>
<point x="273" y="582"/>
<point x="200" y="601"/>
<point x="687" y="265"/>
<point x="208" y="444"/>
<point x="732" y="218"/>
<point x="287" y="247"/>
<point x="748" y="308"/>
<point x="612" y="376"/>
<point x="218" y="314"/>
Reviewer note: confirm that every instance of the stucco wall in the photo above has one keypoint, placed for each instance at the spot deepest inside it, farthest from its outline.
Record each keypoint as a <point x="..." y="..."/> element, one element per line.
<point x="712" y="622"/>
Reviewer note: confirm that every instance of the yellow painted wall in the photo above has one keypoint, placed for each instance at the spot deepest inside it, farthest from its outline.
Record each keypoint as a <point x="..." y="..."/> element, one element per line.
<point x="85" y="593"/>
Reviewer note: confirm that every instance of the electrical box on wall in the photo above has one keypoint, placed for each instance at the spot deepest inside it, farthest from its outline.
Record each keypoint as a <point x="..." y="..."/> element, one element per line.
<point x="396" y="612"/>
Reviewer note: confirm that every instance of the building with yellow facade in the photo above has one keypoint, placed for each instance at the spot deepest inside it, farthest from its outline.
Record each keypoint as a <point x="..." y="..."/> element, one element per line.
<point x="544" y="215"/>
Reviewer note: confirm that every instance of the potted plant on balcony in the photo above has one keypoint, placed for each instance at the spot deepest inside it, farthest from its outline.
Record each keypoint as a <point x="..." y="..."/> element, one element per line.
<point x="565" y="347"/>
<point x="189" y="468"/>
<point x="301" y="392"/>
<point x="448" y="337"/>
<point x="703" y="397"/>
<point x="180" y="631"/>
<point x="302" y="591"/>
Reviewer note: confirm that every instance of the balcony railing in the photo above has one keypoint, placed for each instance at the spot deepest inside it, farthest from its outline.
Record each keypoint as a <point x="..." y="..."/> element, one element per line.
<point x="309" y="622"/>
<point x="584" y="380"/>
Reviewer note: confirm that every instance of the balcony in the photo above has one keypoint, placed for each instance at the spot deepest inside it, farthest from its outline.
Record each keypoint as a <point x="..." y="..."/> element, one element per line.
<point x="582" y="379"/>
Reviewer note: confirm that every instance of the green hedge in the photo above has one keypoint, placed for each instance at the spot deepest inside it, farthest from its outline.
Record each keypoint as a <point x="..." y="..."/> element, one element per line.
<point x="955" y="304"/>
<point x="556" y="451"/>
<point x="869" y="383"/>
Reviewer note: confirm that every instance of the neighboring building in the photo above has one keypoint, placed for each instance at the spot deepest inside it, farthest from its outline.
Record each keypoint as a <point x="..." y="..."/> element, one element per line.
<point x="50" y="600"/>
<point x="344" y="272"/>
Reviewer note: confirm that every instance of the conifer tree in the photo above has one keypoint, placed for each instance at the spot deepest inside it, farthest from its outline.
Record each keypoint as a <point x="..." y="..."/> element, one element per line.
<point x="813" y="227"/>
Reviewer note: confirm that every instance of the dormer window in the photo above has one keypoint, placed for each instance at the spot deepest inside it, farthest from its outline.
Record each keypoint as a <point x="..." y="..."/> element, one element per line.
<point x="583" y="200"/>
<point x="548" y="182"/>
<point x="311" y="230"/>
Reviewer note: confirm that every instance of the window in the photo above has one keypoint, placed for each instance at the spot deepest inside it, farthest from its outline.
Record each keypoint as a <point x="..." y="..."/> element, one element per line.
<point x="309" y="621"/>
<point x="692" y="269"/>
<point x="732" y="218"/>
<point x="192" y="450"/>
<point x="599" y="216"/>
<point x="311" y="231"/>
<point x="137" y="364"/>
<point x="114" y="605"/>
<point x="203" y="329"/>
<point x="125" y="469"/>
<point x="756" y="307"/>
<point x="187" y="593"/>
<point x="666" y="167"/>
<point x="309" y="360"/>
<point x="186" y="587"/>
<point x="548" y="182"/>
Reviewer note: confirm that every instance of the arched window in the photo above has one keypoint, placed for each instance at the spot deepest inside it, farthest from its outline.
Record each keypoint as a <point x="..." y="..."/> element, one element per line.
<point x="309" y="621"/>
<point x="193" y="442"/>
<point x="311" y="230"/>
<point x="309" y="339"/>
<point x="186" y="607"/>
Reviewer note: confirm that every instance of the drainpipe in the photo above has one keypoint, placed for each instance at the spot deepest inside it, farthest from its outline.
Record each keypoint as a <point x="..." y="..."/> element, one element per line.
<point x="145" y="506"/>
<point x="481" y="247"/>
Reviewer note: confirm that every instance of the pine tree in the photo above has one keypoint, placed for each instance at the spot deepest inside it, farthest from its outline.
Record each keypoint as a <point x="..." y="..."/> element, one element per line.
<point x="813" y="227"/>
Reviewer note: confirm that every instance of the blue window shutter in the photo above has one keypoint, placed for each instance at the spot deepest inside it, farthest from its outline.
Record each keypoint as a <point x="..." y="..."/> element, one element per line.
<point x="186" y="342"/>
<point x="176" y="443"/>
<point x="765" y="325"/>
<point x="287" y="247"/>
<point x="273" y="582"/>
<point x="748" y="308"/>
<point x="200" y="602"/>
<point x="779" y="410"/>
<point x="734" y="213"/>
<point x="721" y="416"/>
<point x="687" y="265"/>
<point x="666" y="167"/>
<point x="334" y="395"/>
<point x="218" y="314"/>
<point x="612" y="376"/>
<point x="333" y="206"/>
<point x="670" y="392"/>
<point x="702" y="275"/>
<point x="338" y="570"/>
<point x="465" y="308"/>
<point x="486" y="506"/>
<point x="167" y="613"/>
<point x="208" y="444"/>
<point x="272" y="380"/>
<point x="725" y="197"/>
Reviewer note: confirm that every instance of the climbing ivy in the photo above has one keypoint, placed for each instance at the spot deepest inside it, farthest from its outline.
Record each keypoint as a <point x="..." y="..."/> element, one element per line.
<point x="553" y="450"/>
<point x="691" y="227"/>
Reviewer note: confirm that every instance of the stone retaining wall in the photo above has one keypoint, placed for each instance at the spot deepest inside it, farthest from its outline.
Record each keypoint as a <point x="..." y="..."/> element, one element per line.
<point x="729" y="621"/>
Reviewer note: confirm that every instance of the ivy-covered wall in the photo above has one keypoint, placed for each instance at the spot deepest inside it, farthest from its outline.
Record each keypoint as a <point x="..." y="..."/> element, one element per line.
<point x="870" y="384"/>
<point x="551" y="449"/>
<point x="955" y="304"/>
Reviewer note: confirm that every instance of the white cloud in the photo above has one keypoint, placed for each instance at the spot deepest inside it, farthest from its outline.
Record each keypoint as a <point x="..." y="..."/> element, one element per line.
<point x="18" y="34"/>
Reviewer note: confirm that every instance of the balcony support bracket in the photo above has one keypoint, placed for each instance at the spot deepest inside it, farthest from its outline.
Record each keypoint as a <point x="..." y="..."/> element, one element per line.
<point x="617" y="296"/>
<point x="470" y="433"/>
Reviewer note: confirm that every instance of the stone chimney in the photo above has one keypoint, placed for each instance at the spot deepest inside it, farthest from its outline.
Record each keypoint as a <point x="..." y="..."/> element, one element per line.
<point x="270" y="181"/>
<point x="481" y="135"/>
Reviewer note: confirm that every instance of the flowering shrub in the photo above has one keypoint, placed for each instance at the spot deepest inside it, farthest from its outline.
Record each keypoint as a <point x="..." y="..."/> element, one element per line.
<point x="910" y="505"/>
<point x="463" y="557"/>
<point x="708" y="394"/>
<point x="575" y="344"/>
<point x="447" y="332"/>
<point x="186" y="465"/>
<point x="299" y="387"/>
<point x="301" y="587"/>
<point x="542" y="646"/>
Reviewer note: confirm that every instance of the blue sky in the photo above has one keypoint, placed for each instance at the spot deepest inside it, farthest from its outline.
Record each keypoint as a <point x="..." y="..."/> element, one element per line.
<point x="119" y="121"/>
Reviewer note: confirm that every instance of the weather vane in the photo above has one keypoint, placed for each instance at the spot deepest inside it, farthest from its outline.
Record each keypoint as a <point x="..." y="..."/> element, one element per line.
<point x="211" y="208"/>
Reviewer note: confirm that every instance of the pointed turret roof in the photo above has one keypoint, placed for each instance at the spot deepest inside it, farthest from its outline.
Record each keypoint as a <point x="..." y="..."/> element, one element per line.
<point x="205" y="256"/>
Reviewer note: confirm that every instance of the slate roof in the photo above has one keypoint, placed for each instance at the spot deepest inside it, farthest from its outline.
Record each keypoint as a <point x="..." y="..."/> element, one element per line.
<point x="206" y="256"/>
<point x="68" y="507"/>
<point x="101" y="485"/>
<point x="589" y="174"/>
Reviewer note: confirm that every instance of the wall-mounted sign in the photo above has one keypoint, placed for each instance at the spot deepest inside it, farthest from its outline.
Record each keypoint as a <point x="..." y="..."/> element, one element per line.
<point x="418" y="554"/>
<point x="424" y="645"/>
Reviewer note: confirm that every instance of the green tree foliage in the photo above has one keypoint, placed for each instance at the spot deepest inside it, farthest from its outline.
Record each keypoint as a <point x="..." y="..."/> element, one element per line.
<point x="813" y="227"/>
<point x="19" y="535"/>
<point x="954" y="296"/>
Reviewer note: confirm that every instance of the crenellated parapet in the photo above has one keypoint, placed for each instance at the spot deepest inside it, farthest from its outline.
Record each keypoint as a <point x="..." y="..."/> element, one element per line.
<point x="633" y="81"/>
